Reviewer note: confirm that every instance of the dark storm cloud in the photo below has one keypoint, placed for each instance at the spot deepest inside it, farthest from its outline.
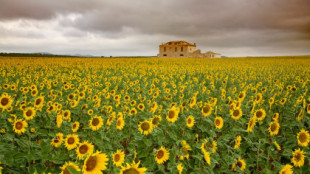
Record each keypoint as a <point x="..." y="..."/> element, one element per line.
<point x="220" y="25"/>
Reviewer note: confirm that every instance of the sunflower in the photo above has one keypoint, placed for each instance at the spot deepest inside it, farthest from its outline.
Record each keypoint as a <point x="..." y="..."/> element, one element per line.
<point x="277" y="145"/>
<point x="56" y="142"/>
<point x="154" y="106"/>
<point x="218" y="122"/>
<point x="214" y="146"/>
<point x="274" y="128"/>
<point x="184" y="150"/>
<point x="72" y="141"/>
<point x="59" y="120"/>
<point x="206" y="145"/>
<point x="232" y="106"/>
<point x="298" y="158"/>
<point x="75" y="126"/>
<point x="237" y="142"/>
<point x="133" y="168"/>
<point x="120" y="115"/>
<point x="118" y="158"/>
<point x="133" y="111"/>
<point x="241" y="96"/>
<point x="84" y="149"/>
<point x="303" y="138"/>
<point x="64" y="168"/>
<point x="162" y="155"/>
<point x="38" y="102"/>
<point x="60" y="136"/>
<point x="308" y="108"/>
<point x="74" y="103"/>
<point x="206" y="110"/>
<point x="258" y="98"/>
<point x="66" y="114"/>
<point x="173" y="115"/>
<point x="133" y="103"/>
<point x="95" y="163"/>
<point x="287" y="169"/>
<point x="120" y="123"/>
<point x="240" y="163"/>
<point x="141" y="107"/>
<point x="180" y="168"/>
<point x="5" y="101"/>
<point x="90" y="112"/>
<point x="271" y="101"/>
<point x="111" y="119"/>
<point x="29" y="113"/>
<point x="275" y="116"/>
<point x="283" y="101"/>
<point x="95" y="123"/>
<point x="236" y="113"/>
<point x="260" y="114"/>
<point x="190" y="121"/>
<point x="213" y="101"/>
<point x="206" y="156"/>
<point x="192" y="102"/>
<point x="155" y="120"/>
<point x="19" y="126"/>
<point x="300" y="115"/>
<point x="203" y="146"/>
<point x="145" y="127"/>
<point x="251" y="124"/>
<point x="81" y="95"/>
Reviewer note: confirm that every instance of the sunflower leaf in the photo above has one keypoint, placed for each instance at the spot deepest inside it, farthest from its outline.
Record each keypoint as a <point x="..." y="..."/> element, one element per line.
<point x="72" y="170"/>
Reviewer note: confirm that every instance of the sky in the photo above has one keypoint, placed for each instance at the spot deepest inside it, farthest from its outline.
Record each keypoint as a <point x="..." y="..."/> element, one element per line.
<point x="137" y="27"/>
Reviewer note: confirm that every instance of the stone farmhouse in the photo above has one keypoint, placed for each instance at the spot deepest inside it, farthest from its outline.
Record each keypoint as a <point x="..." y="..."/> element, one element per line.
<point x="183" y="49"/>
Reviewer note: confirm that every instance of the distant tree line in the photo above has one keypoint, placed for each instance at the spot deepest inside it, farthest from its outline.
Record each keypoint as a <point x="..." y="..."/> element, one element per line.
<point x="32" y="55"/>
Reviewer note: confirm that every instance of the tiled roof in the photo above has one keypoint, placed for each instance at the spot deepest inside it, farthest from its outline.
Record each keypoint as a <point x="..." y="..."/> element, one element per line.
<point x="179" y="43"/>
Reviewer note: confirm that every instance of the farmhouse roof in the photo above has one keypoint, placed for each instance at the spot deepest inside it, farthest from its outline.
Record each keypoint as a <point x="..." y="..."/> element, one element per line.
<point x="184" y="43"/>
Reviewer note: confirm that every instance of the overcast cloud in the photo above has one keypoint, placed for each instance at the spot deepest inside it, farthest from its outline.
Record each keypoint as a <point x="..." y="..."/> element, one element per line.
<point x="137" y="27"/>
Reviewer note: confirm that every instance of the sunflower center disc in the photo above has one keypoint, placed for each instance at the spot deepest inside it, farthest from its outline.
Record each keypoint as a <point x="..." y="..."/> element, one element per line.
<point x="206" y="109"/>
<point x="302" y="137"/>
<point x="297" y="157"/>
<point x="38" y="101"/>
<point x="273" y="127"/>
<point x="91" y="163"/>
<point x="236" y="113"/>
<point x="66" y="171"/>
<point x="239" y="164"/>
<point x="259" y="114"/>
<point x="19" y="125"/>
<point x="71" y="140"/>
<point x="95" y="122"/>
<point x="160" y="154"/>
<point x="131" y="171"/>
<point x="119" y="123"/>
<point x="189" y="121"/>
<point x="154" y="121"/>
<point x="171" y="114"/>
<point x="83" y="149"/>
<point x="29" y="113"/>
<point x="4" y="101"/>
<point x="145" y="126"/>
<point x="117" y="158"/>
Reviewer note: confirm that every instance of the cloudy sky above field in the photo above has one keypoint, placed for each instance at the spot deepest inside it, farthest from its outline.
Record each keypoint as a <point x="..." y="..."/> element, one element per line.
<point x="137" y="27"/>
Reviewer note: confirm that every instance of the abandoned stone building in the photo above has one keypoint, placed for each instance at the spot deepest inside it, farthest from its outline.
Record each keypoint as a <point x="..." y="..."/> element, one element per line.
<point x="179" y="49"/>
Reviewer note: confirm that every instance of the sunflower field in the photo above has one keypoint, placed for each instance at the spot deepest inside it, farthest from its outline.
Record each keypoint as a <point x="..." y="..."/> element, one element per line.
<point x="151" y="115"/>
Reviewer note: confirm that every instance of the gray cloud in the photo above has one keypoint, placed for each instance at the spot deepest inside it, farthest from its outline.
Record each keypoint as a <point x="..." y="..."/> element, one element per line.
<point x="258" y="26"/>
